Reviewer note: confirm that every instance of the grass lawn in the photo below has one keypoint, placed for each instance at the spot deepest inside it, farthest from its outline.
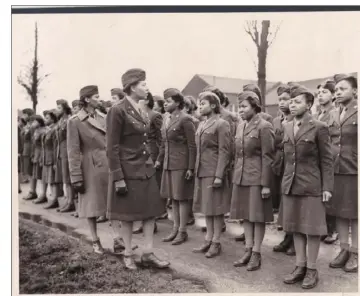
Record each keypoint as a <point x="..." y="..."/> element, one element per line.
<point x="54" y="263"/>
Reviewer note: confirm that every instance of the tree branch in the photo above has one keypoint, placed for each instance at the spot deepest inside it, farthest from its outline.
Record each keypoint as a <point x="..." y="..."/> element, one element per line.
<point x="251" y="29"/>
<point x="24" y="85"/>
<point x="255" y="66"/>
<point x="271" y="40"/>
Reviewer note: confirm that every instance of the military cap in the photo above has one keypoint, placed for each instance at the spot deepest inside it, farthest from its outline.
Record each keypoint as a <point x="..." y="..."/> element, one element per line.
<point x="170" y="92"/>
<point x="253" y="88"/>
<point x="75" y="103"/>
<point x="28" y="111"/>
<point x="249" y="95"/>
<point x="39" y="119"/>
<point x="118" y="91"/>
<point x="88" y="91"/>
<point x="158" y="98"/>
<point x="132" y="76"/>
<point x="301" y="90"/>
<point x="62" y="102"/>
<point x="108" y="104"/>
<point x="283" y="88"/>
<point x="328" y="84"/>
<point x="351" y="79"/>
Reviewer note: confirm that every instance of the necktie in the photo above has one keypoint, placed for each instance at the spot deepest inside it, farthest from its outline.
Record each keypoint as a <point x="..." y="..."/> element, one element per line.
<point x="167" y="121"/>
<point x="342" y="115"/>
<point x="296" y="127"/>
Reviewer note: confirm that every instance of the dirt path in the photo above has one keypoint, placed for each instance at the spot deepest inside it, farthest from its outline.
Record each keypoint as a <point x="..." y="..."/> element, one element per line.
<point x="53" y="263"/>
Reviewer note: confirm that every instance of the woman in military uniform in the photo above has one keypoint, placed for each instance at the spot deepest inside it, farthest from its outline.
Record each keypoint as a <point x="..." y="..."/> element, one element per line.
<point x="250" y="200"/>
<point x="344" y="204"/>
<point x="64" y="112"/>
<point x="325" y="97"/>
<point x="117" y="94"/>
<point x="283" y="91"/>
<point x="26" y="153"/>
<point x="21" y="124"/>
<point x="307" y="183"/>
<point x="159" y="105"/>
<point x="133" y="193"/>
<point x="212" y="196"/>
<point x="177" y="158"/>
<point x="88" y="164"/>
<point x="49" y="160"/>
<point x="76" y="106"/>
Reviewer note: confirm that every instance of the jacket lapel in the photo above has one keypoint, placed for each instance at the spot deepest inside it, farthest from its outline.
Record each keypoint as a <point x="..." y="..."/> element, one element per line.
<point x="307" y="124"/>
<point x="252" y="124"/>
<point x="174" y="119"/>
<point x="289" y="130"/>
<point x="351" y="110"/>
<point x="208" y="124"/>
<point x="133" y="112"/>
<point x="92" y="121"/>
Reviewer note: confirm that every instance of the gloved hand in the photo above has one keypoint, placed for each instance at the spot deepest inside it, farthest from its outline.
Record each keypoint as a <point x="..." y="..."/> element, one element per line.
<point x="120" y="188"/>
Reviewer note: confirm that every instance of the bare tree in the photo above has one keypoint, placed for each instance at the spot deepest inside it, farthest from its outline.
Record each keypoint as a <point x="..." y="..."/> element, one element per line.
<point x="31" y="80"/>
<point x="263" y="38"/>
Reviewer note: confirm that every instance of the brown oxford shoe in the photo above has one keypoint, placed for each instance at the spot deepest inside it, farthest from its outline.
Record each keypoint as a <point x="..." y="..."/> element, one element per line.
<point x="150" y="260"/>
<point x="255" y="262"/>
<point x="352" y="263"/>
<point x="52" y="205"/>
<point x="240" y="238"/>
<point x="40" y="200"/>
<point x="31" y="196"/>
<point x="171" y="236"/>
<point x="203" y="248"/>
<point x="70" y="207"/>
<point x="297" y="275"/>
<point x="311" y="279"/>
<point x="214" y="250"/>
<point x="291" y="250"/>
<point x="284" y="245"/>
<point x="244" y="260"/>
<point x="181" y="237"/>
<point x="341" y="259"/>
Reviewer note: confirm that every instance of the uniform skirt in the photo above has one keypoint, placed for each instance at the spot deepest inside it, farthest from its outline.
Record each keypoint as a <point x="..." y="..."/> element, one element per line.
<point x="303" y="214"/>
<point x="48" y="174"/>
<point x="65" y="170"/>
<point x="141" y="202"/>
<point x="344" y="202"/>
<point x="26" y="165"/>
<point x="175" y="186"/>
<point x="58" y="172"/>
<point x="247" y="203"/>
<point x="37" y="171"/>
<point x="211" y="201"/>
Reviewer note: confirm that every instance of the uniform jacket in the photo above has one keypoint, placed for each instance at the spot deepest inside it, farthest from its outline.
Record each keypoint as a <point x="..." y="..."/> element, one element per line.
<point x="254" y="153"/>
<point x="178" y="148"/>
<point x="213" y="142"/>
<point x="154" y="135"/>
<point x="308" y="162"/>
<point x="37" y="156"/>
<point x="266" y="117"/>
<point x="278" y="163"/>
<point x="344" y="139"/>
<point x="20" y="140"/>
<point x="61" y="131"/>
<point x="86" y="146"/>
<point x="231" y="119"/>
<point x="27" y="141"/>
<point x="325" y="115"/>
<point x="49" y="146"/>
<point x="127" y="136"/>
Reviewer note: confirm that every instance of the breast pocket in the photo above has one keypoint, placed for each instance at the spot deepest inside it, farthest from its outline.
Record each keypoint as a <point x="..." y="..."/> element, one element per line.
<point x="306" y="146"/>
<point x="252" y="141"/>
<point x="99" y="159"/>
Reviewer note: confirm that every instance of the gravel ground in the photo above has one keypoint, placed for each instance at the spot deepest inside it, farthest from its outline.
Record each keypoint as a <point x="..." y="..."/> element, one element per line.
<point x="53" y="263"/>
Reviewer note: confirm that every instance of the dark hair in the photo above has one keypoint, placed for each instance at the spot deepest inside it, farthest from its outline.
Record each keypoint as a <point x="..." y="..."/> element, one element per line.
<point x="127" y="89"/>
<point x="212" y="98"/>
<point x="66" y="107"/>
<point x="161" y="105"/>
<point x="309" y="99"/>
<point x="188" y="104"/>
<point x="53" y="116"/>
<point x="253" y="103"/>
<point x="40" y="121"/>
<point x="226" y="102"/>
<point x="23" y="121"/>
<point x="179" y="98"/>
<point x="252" y="99"/>
<point x="150" y="101"/>
<point x="222" y="97"/>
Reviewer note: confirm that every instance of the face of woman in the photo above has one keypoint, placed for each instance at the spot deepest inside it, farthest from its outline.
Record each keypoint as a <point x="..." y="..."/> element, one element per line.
<point x="76" y="109"/>
<point x="141" y="90"/>
<point x="298" y="105"/>
<point x="324" y="96"/>
<point x="170" y="105"/>
<point x="246" y="112"/>
<point x="48" y="119"/>
<point x="35" y="124"/>
<point x="60" y="109"/>
<point x="205" y="108"/>
<point x="157" y="107"/>
<point x="284" y="101"/>
<point x="344" y="92"/>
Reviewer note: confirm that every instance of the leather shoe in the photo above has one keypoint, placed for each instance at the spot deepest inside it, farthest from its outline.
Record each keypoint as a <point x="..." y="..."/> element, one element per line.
<point x="352" y="264"/>
<point x="181" y="237"/>
<point x="284" y="245"/>
<point x="341" y="259"/>
<point x="244" y="260"/>
<point x="291" y="250"/>
<point x="52" y="205"/>
<point x="203" y="248"/>
<point x="138" y="230"/>
<point x="297" y="275"/>
<point x="171" y="236"/>
<point x="214" y="250"/>
<point x="70" y="207"/>
<point x="311" y="279"/>
<point x="97" y="247"/>
<point x="118" y="245"/>
<point x="40" y="200"/>
<point x="130" y="262"/>
<point x="31" y="196"/>
<point x="255" y="262"/>
<point x="150" y="260"/>
<point x="191" y="221"/>
<point x="331" y="238"/>
<point x="240" y="238"/>
<point x="101" y="219"/>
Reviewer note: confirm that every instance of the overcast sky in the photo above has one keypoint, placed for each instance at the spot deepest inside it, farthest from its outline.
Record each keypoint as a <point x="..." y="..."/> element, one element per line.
<point x="98" y="48"/>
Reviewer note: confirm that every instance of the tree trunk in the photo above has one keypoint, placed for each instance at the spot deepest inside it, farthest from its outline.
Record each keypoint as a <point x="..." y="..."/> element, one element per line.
<point x="262" y="54"/>
<point x="34" y="104"/>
